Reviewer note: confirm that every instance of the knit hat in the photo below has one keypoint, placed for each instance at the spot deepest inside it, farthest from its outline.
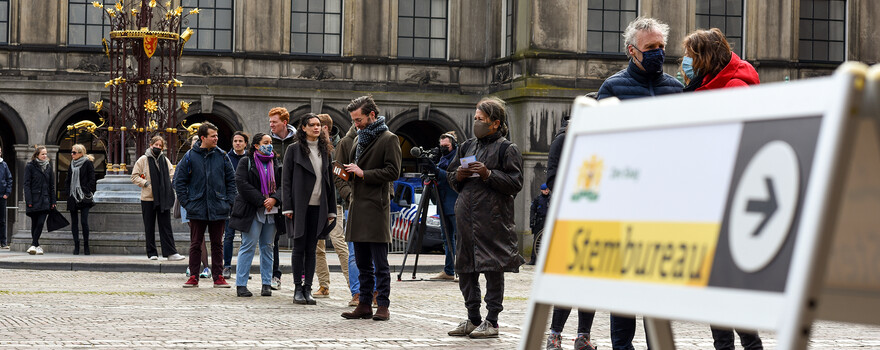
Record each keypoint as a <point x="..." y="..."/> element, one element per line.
<point x="543" y="187"/>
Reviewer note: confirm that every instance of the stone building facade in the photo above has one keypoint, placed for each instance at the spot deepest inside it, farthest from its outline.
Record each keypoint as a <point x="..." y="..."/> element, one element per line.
<point x="426" y="62"/>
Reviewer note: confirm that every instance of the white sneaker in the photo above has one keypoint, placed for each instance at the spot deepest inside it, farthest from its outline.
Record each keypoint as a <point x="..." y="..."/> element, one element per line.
<point x="175" y="257"/>
<point x="154" y="257"/>
<point x="39" y="250"/>
<point x="32" y="250"/>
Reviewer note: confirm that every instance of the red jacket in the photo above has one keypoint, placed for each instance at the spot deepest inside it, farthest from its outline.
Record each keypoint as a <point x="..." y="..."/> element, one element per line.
<point x="737" y="73"/>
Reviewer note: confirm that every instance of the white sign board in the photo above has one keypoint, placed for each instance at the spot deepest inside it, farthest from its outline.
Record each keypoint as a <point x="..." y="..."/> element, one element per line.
<point x="708" y="207"/>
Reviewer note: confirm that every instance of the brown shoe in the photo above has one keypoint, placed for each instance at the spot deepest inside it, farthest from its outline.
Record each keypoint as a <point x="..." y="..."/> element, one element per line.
<point x="355" y="299"/>
<point x="375" y="294"/>
<point x="322" y="292"/>
<point x="381" y="314"/>
<point x="442" y="276"/>
<point x="361" y="311"/>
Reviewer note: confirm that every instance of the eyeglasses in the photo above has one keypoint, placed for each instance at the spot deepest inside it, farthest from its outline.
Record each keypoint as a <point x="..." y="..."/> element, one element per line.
<point x="74" y="152"/>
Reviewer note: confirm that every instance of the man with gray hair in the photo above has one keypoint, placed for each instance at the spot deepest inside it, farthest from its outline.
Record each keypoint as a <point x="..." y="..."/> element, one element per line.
<point x="645" y="41"/>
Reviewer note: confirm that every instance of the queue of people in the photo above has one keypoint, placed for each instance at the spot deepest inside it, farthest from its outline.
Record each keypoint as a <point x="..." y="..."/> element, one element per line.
<point x="288" y="181"/>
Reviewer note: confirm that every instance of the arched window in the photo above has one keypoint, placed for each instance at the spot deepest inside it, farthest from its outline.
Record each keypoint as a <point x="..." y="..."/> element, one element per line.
<point x="66" y="140"/>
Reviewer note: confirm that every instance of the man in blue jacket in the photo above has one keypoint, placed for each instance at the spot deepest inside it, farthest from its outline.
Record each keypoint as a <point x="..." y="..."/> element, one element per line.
<point x="205" y="184"/>
<point x="645" y="42"/>
<point x="448" y="146"/>
<point x="5" y="192"/>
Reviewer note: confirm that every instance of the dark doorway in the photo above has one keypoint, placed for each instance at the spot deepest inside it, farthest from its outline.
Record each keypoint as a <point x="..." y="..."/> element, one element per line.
<point x="66" y="139"/>
<point x="419" y="133"/>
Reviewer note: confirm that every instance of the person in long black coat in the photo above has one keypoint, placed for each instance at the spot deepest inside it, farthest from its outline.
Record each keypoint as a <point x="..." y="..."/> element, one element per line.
<point x="258" y="193"/>
<point x="308" y="200"/>
<point x="39" y="194"/>
<point x="81" y="179"/>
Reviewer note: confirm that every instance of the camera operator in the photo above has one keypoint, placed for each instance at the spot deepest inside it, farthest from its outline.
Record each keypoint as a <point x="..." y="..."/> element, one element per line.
<point x="448" y="146"/>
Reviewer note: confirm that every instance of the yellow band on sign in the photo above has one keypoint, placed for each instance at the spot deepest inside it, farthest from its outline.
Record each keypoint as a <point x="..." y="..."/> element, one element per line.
<point x="653" y="252"/>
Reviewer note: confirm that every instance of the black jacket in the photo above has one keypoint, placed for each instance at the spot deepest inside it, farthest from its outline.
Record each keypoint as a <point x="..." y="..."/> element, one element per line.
<point x="538" y="212"/>
<point x="555" y="155"/>
<point x="298" y="181"/>
<point x="39" y="188"/>
<point x="86" y="181"/>
<point x="249" y="198"/>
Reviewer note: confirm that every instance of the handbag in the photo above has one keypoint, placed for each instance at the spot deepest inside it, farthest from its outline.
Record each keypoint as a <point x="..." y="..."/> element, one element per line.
<point x="87" y="201"/>
<point x="56" y="220"/>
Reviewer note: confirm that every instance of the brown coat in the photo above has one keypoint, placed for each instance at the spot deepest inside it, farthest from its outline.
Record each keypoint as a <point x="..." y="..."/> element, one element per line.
<point x="369" y="212"/>
<point x="486" y="240"/>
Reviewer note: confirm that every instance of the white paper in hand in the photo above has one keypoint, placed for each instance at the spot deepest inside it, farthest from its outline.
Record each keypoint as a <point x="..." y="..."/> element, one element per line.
<point x="467" y="160"/>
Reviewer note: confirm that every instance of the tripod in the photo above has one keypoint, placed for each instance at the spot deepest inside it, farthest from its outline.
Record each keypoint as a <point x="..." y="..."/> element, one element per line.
<point x="417" y="232"/>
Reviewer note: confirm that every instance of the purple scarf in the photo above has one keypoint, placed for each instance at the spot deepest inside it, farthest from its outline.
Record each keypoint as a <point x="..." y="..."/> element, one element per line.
<point x="267" y="173"/>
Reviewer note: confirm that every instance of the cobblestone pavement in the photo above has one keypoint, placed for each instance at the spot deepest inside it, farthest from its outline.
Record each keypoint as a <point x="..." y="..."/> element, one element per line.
<point x="71" y="309"/>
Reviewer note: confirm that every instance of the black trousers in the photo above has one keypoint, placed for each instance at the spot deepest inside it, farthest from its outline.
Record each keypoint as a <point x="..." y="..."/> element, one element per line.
<point x="37" y="222"/>
<point x="469" y="283"/>
<point x="3" y="240"/>
<point x="724" y="339"/>
<point x="560" y="315"/>
<point x="304" y="248"/>
<point x="75" y="216"/>
<point x="279" y="231"/>
<point x="151" y="215"/>
<point x="366" y="255"/>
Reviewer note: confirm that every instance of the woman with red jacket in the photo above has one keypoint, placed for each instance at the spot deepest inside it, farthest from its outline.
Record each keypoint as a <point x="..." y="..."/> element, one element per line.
<point x="710" y="64"/>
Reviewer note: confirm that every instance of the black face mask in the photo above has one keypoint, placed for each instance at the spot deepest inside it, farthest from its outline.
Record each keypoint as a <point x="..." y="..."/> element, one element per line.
<point x="156" y="151"/>
<point x="445" y="150"/>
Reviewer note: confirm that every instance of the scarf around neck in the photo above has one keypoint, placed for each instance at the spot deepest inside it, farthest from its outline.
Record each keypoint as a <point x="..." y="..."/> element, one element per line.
<point x="160" y="182"/>
<point x="43" y="164"/>
<point x="75" y="186"/>
<point x="367" y="135"/>
<point x="266" y="170"/>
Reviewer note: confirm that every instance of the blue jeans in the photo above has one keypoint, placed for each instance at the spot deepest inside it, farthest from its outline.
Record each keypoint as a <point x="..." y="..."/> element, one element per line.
<point x="228" y="236"/>
<point x="265" y="234"/>
<point x="449" y="266"/>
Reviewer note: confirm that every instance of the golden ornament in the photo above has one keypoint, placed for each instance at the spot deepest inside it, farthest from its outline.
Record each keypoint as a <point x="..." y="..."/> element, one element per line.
<point x="111" y="12"/>
<point x="151" y="106"/>
<point x="119" y="6"/>
<point x="152" y="3"/>
<point x="98" y="106"/>
<point x="194" y="11"/>
<point x="185" y="107"/>
<point x="97" y="4"/>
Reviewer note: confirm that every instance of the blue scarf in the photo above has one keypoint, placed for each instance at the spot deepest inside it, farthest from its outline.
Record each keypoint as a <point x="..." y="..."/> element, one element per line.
<point x="367" y="135"/>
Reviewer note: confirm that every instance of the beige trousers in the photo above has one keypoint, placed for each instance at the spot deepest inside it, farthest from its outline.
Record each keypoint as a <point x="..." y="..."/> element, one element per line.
<point x="337" y="237"/>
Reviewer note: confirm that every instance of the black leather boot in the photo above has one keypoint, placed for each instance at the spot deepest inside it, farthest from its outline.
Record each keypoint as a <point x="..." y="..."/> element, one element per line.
<point x="75" y="248"/>
<point x="298" y="297"/>
<point x="307" y="293"/>
<point x="242" y="291"/>
<point x="86" y="248"/>
<point x="267" y="291"/>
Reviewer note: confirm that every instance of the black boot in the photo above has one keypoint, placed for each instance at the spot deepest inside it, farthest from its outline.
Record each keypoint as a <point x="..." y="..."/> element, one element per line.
<point x="242" y="291"/>
<point x="267" y="291"/>
<point x="75" y="248"/>
<point x="298" y="297"/>
<point x="307" y="293"/>
<point x="86" y="248"/>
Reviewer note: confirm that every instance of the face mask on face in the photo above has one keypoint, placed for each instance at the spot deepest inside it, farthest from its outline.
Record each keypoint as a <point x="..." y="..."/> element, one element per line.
<point x="266" y="149"/>
<point x="687" y="65"/>
<point x="652" y="60"/>
<point x="156" y="151"/>
<point x="445" y="150"/>
<point x="481" y="129"/>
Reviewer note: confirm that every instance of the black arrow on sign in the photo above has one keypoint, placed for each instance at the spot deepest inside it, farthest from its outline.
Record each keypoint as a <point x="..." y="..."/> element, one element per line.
<point x="767" y="207"/>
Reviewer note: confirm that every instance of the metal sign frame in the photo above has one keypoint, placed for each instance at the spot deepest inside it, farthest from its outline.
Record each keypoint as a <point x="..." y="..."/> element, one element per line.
<point x="790" y="313"/>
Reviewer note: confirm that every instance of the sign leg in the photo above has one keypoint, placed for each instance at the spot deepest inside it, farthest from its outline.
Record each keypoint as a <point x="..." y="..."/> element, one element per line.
<point x="535" y="326"/>
<point x="659" y="334"/>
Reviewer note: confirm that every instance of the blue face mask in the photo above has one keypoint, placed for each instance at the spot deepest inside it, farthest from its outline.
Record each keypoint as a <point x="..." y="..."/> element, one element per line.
<point x="266" y="149"/>
<point x="652" y="60"/>
<point x="687" y="65"/>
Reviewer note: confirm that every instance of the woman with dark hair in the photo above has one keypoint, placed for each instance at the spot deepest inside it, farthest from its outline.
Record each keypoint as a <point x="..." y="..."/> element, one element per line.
<point x="39" y="194"/>
<point x="487" y="174"/>
<point x="309" y="200"/>
<point x="710" y="64"/>
<point x="253" y="212"/>
<point x="82" y="186"/>
<point x="153" y="173"/>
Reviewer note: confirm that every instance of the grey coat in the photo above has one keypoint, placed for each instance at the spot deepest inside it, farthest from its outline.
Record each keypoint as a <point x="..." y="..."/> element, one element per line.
<point x="370" y="208"/>
<point x="484" y="212"/>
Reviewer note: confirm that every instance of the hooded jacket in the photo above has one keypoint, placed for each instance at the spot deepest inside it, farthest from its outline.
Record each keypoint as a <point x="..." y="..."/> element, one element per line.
<point x="633" y="82"/>
<point x="736" y="73"/>
<point x="280" y="145"/>
<point x="486" y="240"/>
<point x="205" y="183"/>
